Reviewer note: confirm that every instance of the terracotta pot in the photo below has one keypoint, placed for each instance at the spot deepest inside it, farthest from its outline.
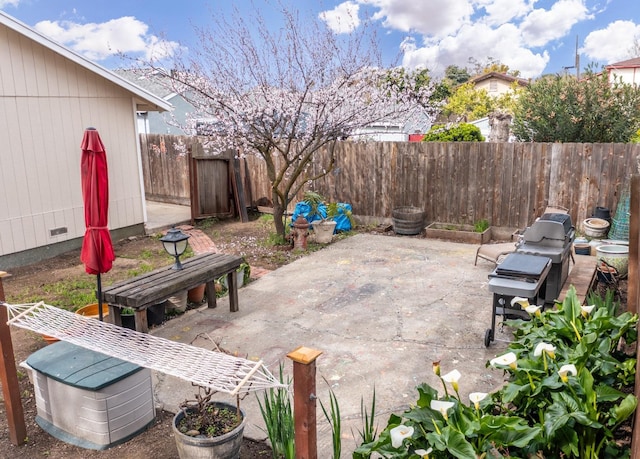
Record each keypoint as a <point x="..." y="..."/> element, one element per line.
<point x="196" y="294"/>
<point x="49" y="339"/>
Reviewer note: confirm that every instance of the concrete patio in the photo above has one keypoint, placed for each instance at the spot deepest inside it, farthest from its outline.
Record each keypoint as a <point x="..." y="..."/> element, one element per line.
<point x="381" y="309"/>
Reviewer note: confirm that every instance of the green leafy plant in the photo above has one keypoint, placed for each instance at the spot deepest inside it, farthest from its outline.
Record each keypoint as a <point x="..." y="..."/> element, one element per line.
<point x="323" y="210"/>
<point x="369" y="430"/>
<point x="278" y="418"/>
<point x="481" y="226"/>
<point x="567" y="394"/>
<point x="332" y="415"/>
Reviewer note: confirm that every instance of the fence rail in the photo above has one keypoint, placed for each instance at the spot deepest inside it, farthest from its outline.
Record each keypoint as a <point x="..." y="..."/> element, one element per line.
<point x="508" y="184"/>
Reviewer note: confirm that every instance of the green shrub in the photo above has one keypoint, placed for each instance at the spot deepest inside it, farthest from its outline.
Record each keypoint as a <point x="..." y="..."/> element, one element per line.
<point x="463" y="132"/>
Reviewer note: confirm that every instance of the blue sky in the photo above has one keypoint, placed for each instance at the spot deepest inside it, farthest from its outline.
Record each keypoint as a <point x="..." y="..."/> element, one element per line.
<point x="533" y="36"/>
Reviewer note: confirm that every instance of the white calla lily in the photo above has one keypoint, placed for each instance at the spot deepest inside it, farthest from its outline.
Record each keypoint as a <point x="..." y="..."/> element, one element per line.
<point x="567" y="370"/>
<point x="441" y="406"/>
<point x="424" y="453"/>
<point x="586" y="310"/>
<point x="452" y="378"/>
<point x="476" y="398"/>
<point x="399" y="433"/>
<point x="523" y="302"/>
<point x="547" y="348"/>
<point x="507" y="360"/>
<point x="533" y="310"/>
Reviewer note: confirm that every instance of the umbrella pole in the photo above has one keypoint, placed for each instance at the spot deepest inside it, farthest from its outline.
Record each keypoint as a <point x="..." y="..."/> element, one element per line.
<point x="99" y="297"/>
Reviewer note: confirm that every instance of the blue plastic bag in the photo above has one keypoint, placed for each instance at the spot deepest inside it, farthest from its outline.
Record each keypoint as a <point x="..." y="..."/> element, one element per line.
<point x="342" y="220"/>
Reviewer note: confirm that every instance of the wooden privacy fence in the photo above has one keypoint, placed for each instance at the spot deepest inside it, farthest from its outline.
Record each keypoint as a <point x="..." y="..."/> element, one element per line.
<point x="509" y="184"/>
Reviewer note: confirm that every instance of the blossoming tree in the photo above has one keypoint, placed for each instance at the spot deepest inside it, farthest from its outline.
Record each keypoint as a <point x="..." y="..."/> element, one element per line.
<point x="288" y="93"/>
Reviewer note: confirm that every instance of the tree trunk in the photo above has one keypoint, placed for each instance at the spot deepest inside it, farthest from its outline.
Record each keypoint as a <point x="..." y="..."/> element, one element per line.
<point x="278" y="214"/>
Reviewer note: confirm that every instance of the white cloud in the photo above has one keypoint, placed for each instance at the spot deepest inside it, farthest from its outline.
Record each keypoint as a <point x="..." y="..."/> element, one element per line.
<point x="104" y="40"/>
<point x="502" y="11"/>
<point x="503" y="43"/>
<point x="542" y="26"/>
<point x="343" y="18"/>
<point x="13" y="3"/>
<point x="612" y="44"/>
<point x="445" y="32"/>
<point x="435" y="18"/>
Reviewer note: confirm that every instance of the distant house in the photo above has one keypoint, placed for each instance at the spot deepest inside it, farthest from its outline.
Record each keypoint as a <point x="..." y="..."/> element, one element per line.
<point x="496" y="83"/>
<point x="627" y="71"/>
<point x="395" y="130"/>
<point x="382" y="132"/>
<point x="48" y="96"/>
<point x="152" y="122"/>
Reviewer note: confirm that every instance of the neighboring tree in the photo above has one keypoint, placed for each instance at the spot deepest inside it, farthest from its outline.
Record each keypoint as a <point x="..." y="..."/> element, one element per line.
<point x="463" y="132"/>
<point x="456" y="75"/>
<point x="563" y="109"/>
<point x="289" y="92"/>
<point x="491" y="65"/>
<point x="469" y="104"/>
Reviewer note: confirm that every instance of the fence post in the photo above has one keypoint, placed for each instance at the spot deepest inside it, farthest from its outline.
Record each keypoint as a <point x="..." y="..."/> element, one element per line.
<point x="304" y="401"/>
<point x="9" y="378"/>
<point x="633" y="293"/>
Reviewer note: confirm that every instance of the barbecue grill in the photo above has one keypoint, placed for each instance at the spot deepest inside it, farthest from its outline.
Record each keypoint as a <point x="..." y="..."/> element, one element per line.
<point x="537" y="270"/>
<point x="550" y="236"/>
<point x="520" y="275"/>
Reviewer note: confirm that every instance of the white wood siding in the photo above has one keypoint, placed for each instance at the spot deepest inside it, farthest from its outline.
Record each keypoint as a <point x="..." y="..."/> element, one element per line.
<point x="46" y="103"/>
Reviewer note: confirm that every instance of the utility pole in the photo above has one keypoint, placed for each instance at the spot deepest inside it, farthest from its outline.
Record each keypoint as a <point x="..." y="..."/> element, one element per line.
<point x="577" y="64"/>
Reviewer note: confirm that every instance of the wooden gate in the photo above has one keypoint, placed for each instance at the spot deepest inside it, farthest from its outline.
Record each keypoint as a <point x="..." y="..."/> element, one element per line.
<point x="211" y="194"/>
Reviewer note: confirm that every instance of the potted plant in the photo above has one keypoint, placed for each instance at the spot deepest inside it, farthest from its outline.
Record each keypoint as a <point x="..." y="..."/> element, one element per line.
<point x="205" y="428"/>
<point x="243" y="274"/>
<point x="322" y="216"/>
<point x="127" y="315"/>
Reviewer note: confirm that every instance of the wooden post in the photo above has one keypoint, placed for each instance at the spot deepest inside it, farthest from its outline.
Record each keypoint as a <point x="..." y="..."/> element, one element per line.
<point x="633" y="293"/>
<point x="634" y="242"/>
<point x="304" y="401"/>
<point x="9" y="378"/>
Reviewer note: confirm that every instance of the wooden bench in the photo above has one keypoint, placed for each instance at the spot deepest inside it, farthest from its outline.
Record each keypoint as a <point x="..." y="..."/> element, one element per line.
<point x="156" y="286"/>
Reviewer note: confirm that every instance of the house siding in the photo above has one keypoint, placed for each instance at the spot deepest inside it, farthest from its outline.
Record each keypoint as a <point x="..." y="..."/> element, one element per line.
<point x="46" y="103"/>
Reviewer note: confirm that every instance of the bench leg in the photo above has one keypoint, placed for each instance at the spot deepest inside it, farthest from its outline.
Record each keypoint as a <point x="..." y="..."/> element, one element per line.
<point x="232" y="282"/>
<point x="211" y="294"/>
<point x="114" y="314"/>
<point x="142" y="325"/>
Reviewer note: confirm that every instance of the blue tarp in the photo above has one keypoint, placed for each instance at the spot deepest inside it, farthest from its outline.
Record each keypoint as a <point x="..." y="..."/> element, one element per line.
<point x="342" y="221"/>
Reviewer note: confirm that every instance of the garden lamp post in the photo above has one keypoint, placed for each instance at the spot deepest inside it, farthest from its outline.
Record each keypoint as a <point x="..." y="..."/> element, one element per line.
<point x="175" y="243"/>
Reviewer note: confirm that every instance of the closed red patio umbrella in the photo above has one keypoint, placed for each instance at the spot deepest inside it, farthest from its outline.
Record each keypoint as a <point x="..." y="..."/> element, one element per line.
<point x="97" y="249"/>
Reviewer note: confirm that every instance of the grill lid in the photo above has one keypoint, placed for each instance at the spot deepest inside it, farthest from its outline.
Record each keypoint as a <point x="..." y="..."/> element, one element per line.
<point x="551" y="230"/>
<point x="522" y="265"/>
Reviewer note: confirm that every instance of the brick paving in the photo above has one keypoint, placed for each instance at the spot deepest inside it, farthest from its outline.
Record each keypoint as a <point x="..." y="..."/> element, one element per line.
<point x="201" y="243"/>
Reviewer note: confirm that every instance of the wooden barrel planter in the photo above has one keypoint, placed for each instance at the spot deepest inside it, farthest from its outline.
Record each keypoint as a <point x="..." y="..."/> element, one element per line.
<point x="408" y="220"/>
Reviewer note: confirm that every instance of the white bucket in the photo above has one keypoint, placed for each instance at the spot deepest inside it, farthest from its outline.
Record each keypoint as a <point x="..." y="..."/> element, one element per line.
<point x="615" y="255"/>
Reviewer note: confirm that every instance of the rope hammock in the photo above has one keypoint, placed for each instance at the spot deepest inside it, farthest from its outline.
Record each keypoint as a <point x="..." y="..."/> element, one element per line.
<point x="216" y="370"/>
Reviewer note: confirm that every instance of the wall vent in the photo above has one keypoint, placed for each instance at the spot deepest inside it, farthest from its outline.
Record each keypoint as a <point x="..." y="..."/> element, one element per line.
<point x="58" y="231"/>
